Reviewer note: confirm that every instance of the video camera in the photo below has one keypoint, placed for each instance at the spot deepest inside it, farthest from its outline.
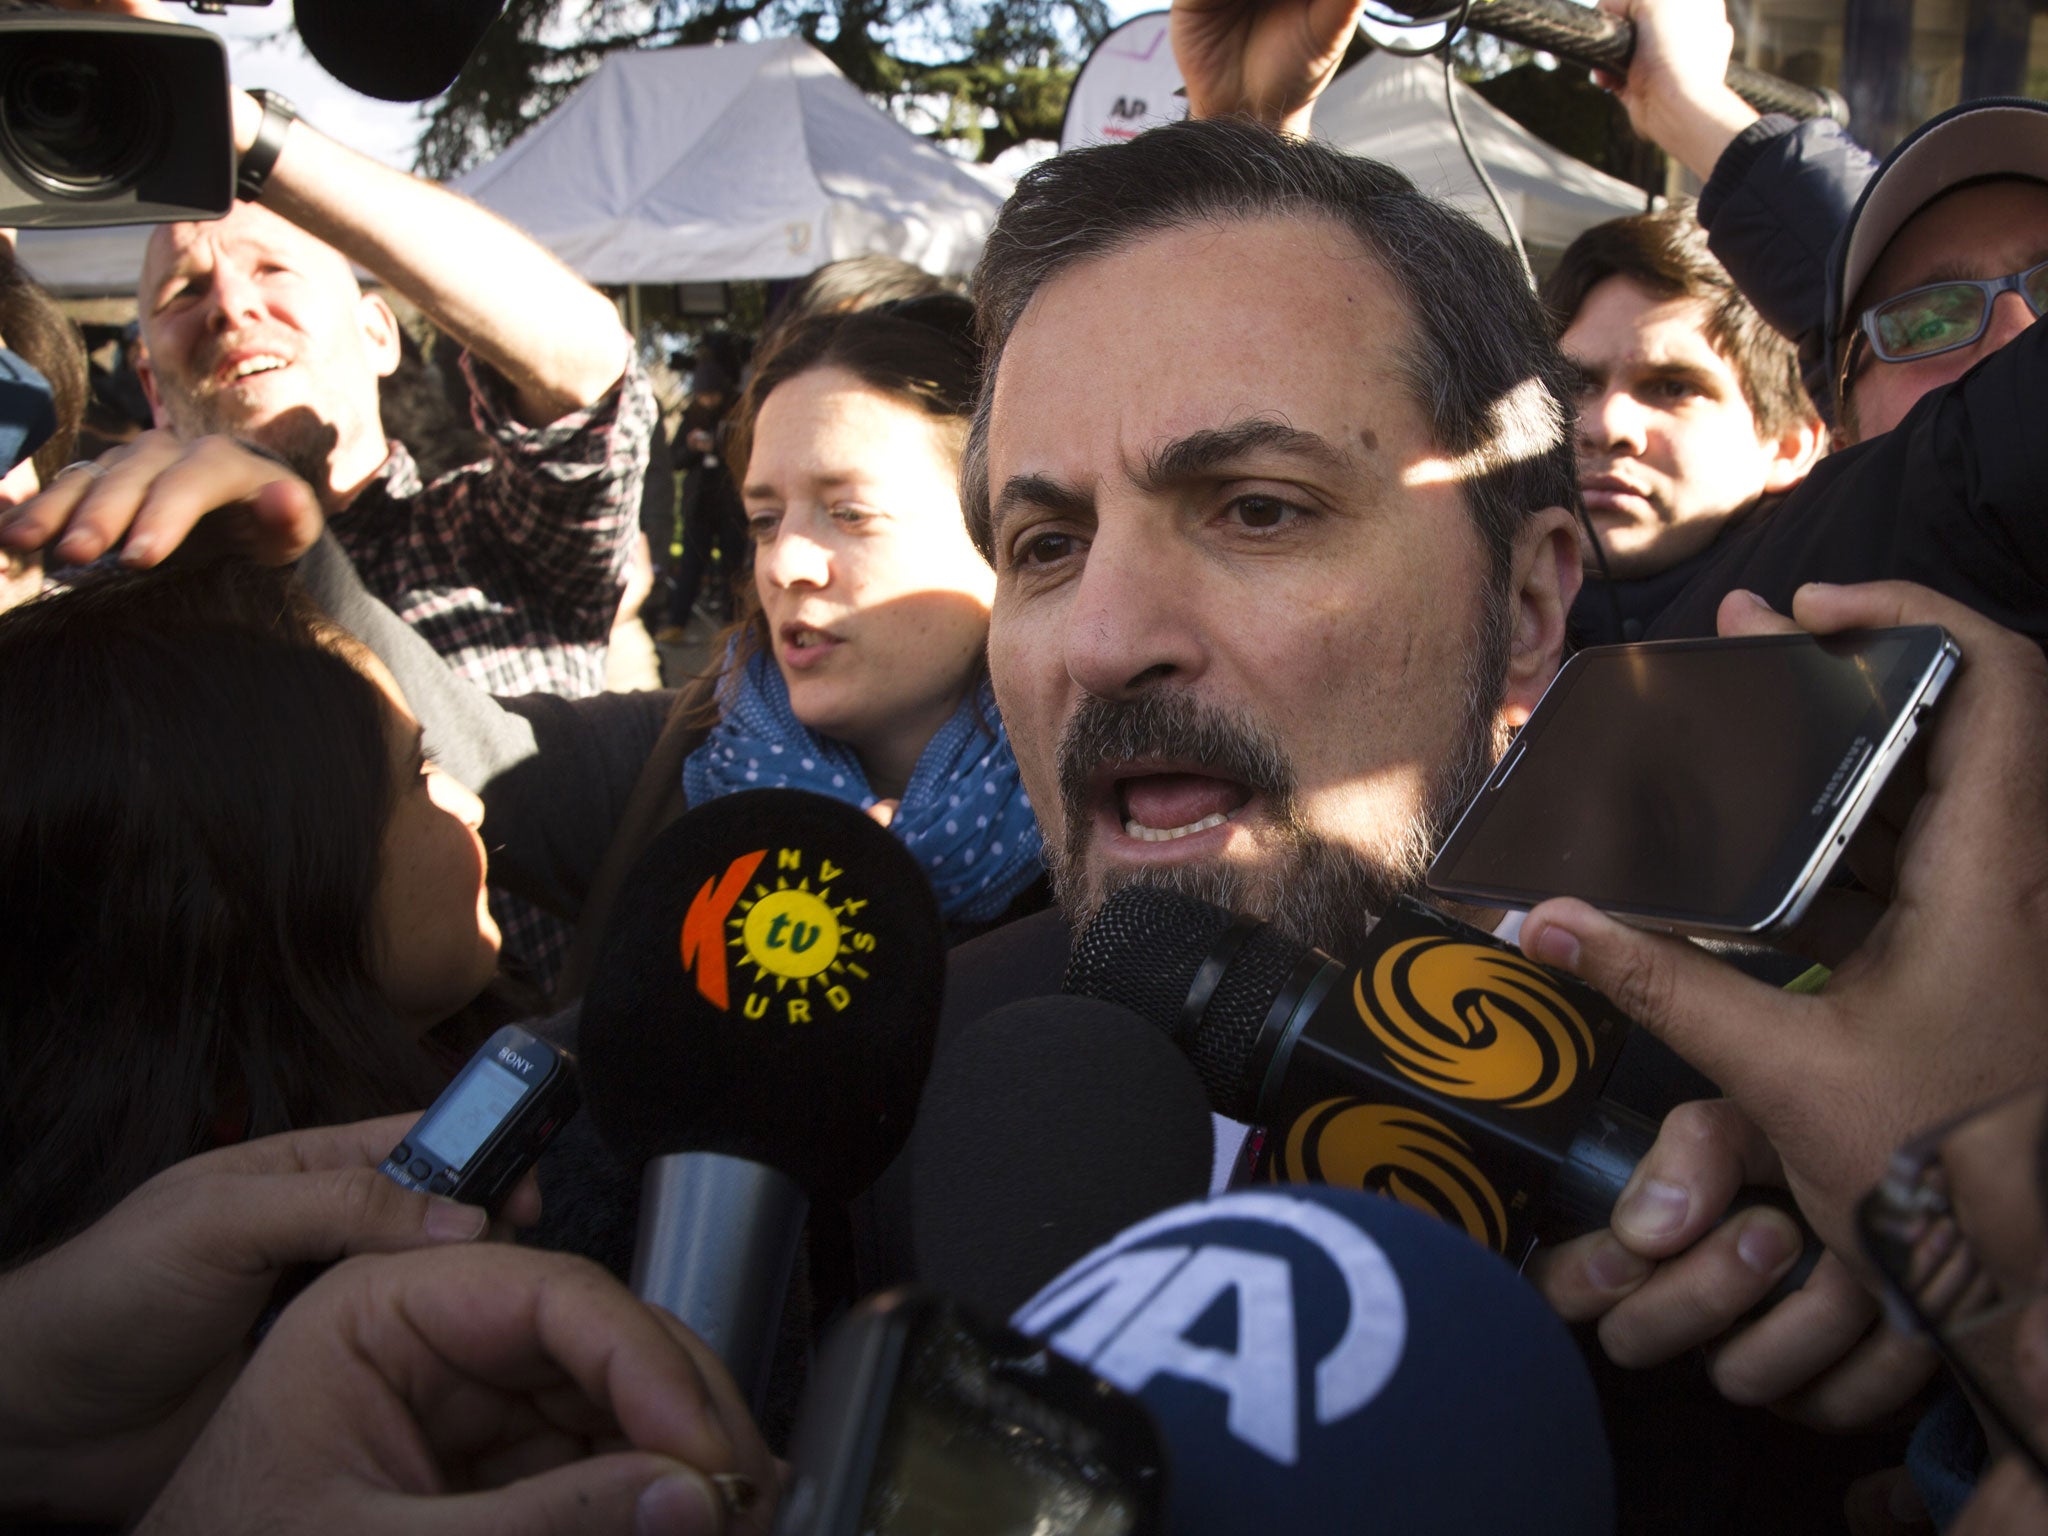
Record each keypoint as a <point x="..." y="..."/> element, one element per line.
<point x="112" y="120"/>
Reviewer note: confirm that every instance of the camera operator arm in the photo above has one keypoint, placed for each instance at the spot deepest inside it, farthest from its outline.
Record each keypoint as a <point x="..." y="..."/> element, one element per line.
<point x="555" y="338"/>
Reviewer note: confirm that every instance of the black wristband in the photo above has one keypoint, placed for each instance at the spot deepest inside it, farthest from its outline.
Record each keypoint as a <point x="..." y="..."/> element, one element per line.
<point x="254" y="169"/>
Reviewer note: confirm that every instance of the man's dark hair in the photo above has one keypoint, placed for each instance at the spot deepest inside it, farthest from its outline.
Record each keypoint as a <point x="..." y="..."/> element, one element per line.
<point x="1665" y="254"/>
<point x="1479" y="360"/>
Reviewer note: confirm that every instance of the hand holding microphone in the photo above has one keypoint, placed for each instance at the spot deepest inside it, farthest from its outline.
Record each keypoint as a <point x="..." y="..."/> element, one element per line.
<point x="1938" y="1008"/>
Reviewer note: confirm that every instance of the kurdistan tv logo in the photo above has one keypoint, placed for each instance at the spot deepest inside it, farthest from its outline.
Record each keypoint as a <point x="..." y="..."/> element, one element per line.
<point x="792" y="941"/>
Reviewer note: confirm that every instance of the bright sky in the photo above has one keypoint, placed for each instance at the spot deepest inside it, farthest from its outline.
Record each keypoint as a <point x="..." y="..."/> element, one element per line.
<point x="263" y="50"/>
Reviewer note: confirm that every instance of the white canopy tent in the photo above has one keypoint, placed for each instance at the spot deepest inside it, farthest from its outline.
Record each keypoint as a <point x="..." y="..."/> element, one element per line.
<point x="746" y="160"/>
<point x="1393" y="109"/>
<point x="85" y="263"/>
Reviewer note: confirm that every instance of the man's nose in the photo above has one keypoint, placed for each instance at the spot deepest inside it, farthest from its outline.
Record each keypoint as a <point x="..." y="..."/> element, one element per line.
<point x="236" y="296"/>
<point x="1613" y="420"/>
<point x="1136" y="616"/>
<point x="2010" y="315"/>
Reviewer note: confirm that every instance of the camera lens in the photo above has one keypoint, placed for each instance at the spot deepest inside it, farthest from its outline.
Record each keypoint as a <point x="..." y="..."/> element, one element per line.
<point x="78" y="118"/>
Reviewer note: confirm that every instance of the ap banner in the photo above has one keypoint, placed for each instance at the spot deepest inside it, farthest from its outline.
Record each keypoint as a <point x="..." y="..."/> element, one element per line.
<point x="1129" y="83"/>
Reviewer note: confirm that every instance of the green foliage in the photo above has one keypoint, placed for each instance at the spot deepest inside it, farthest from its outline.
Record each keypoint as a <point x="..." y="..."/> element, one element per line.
<point x="1012" y="59"/>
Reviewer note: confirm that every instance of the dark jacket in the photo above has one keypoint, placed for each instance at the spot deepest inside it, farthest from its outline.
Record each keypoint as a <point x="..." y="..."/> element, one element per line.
<point x="1779" y="197"/>
<point x="1955" y="497"/>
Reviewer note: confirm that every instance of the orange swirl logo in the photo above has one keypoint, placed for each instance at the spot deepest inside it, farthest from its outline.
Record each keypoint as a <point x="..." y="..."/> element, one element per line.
<point x="1401" y="1153"/>
<point x="1474" y="1023"/>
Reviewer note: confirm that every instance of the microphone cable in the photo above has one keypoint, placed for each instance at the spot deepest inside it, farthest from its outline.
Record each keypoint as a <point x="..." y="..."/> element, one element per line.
<point x="1453" y="22"/>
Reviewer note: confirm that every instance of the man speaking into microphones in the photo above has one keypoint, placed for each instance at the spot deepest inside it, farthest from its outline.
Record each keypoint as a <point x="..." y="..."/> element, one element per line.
<point x="1283" y="566"/>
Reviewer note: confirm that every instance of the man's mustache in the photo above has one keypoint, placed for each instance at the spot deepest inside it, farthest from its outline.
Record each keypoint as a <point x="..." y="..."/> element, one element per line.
<point x="1175" y="726"/>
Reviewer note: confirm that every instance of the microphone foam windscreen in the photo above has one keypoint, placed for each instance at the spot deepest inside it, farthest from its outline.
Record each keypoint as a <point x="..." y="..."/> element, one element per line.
<point x="1327" y="1360"/>
<point x="768" y="988"/>
<point x="1144" y="950"/>
<point x="395" y="50"/>
<point x="1047" y="1127"/>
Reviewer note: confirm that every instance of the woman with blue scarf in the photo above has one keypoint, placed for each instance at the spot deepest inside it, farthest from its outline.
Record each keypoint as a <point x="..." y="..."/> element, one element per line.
<point x="857" y="669"/>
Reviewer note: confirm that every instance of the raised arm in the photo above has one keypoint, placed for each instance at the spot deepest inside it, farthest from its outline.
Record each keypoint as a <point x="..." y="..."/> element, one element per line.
<point x="1264" y="59"/>
<point x="556" y="339"/>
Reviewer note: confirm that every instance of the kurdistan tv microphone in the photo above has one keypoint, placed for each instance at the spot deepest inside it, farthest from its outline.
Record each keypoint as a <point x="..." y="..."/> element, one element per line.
<point x="755" y="1035"/>
<point x="1443" y="1069"/>
<point x="1047" y="1127"/>
<point x="1325" y="1360"/>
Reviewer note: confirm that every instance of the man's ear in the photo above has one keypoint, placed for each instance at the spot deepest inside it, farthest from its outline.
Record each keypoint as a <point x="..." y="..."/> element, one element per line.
<point x="145" y="372"/>
<point x="1542" y="584"/>
<point x="1793" y="452"/>
<point x="380" y="334"/>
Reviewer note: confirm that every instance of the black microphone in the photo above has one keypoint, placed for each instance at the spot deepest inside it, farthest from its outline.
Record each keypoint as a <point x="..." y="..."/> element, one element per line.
<point x="1443" y="1069"/>
<point x="756" y="1032"/>
<point x="1601" y="41"/>
<point x="1047" y="1127"/>
<point x="395" y="50"/>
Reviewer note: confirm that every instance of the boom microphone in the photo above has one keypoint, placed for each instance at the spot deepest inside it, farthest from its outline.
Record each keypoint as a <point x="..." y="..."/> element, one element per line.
<point x="1047" y="1127"/>
<point x="1602" y="41"/>
<point x="1323" y="1360"/>
<point x="1444" y="1069"/>
<point x="756" y="1032"/>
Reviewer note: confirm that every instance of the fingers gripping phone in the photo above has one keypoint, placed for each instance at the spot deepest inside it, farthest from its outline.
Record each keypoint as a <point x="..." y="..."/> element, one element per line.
<point x="491" y="1122"/>
<point x="1703" y="786"/>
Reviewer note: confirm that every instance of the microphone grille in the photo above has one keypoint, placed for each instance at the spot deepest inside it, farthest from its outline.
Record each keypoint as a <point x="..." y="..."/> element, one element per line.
<point x="1144" y="951"/>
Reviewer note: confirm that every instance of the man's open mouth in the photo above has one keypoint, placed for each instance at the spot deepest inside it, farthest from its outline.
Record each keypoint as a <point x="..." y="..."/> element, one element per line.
<point x="1160" y="807"/>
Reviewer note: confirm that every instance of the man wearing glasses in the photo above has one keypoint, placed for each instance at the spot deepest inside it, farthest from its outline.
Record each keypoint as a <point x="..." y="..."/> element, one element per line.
<point x="1903" y="288"/>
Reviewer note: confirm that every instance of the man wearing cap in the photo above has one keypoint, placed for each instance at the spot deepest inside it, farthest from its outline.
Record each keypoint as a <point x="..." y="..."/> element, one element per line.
<point x="254" y="326"/>
<point x="1902" y="287"/>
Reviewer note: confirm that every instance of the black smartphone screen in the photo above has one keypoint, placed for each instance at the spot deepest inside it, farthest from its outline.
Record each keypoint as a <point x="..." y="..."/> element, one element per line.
<point x="1693" y="780"/>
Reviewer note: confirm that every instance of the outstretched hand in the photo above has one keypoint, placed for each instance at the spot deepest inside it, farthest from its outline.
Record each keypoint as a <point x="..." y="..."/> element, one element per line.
<point x="1937" y="1008"/>
<point x="1671" y="1275"/>
<point x="1264" y="59"/>
<point x="497" y="1391"/>
<point x="116" y="1346"/>
<point x="149" y="497"/>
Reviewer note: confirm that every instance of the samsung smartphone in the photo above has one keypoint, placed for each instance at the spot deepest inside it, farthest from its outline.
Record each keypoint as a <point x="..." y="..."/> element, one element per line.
<point x="924" y="1420"/>
<point x="1704" y="786"/>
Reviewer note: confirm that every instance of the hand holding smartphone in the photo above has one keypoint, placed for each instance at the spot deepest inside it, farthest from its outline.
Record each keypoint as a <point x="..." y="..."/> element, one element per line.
<point x="1703" y="786"/>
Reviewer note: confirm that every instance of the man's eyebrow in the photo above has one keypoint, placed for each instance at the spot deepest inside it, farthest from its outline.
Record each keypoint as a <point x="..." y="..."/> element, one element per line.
<point x="1042" y="492"/>
<point x="1200" y="455"/>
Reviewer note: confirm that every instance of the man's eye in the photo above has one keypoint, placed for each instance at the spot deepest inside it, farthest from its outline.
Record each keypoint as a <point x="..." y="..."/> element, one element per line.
<point x="1045" y="548"/>
<point x="761" y="526"/>
<point x="1262" y="511"/>
<point x="852" y="513"/>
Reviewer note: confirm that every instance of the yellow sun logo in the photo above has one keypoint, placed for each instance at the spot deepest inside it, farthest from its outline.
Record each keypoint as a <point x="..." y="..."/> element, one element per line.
<point x="800" y="941"/>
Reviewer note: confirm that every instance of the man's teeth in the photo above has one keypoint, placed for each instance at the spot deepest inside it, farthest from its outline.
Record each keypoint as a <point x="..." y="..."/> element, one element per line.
<point x="257" y="365"/>
<point x="804" y="639"/>
<point x="1145" y="834"/>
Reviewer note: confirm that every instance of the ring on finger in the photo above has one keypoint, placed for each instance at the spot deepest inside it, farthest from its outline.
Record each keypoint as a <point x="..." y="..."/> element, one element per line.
<point x="93" y="468"/>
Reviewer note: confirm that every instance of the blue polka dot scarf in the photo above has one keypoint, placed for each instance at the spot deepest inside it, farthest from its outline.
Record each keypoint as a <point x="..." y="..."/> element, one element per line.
<point x="964" y="817"/>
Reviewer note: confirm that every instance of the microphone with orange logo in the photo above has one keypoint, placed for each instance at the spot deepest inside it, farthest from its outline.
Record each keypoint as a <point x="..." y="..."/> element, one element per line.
<point x="756" y="1033"/>
<point x="1444" y="1069"/>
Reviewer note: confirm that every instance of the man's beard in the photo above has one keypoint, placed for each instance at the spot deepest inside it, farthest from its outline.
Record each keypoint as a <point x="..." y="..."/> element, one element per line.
<point x="1319" y="892"/>
<point x="297" y="436"/>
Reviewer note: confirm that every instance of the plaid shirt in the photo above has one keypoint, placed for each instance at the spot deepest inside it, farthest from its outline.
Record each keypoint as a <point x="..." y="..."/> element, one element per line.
<point x="511" y="567"/>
